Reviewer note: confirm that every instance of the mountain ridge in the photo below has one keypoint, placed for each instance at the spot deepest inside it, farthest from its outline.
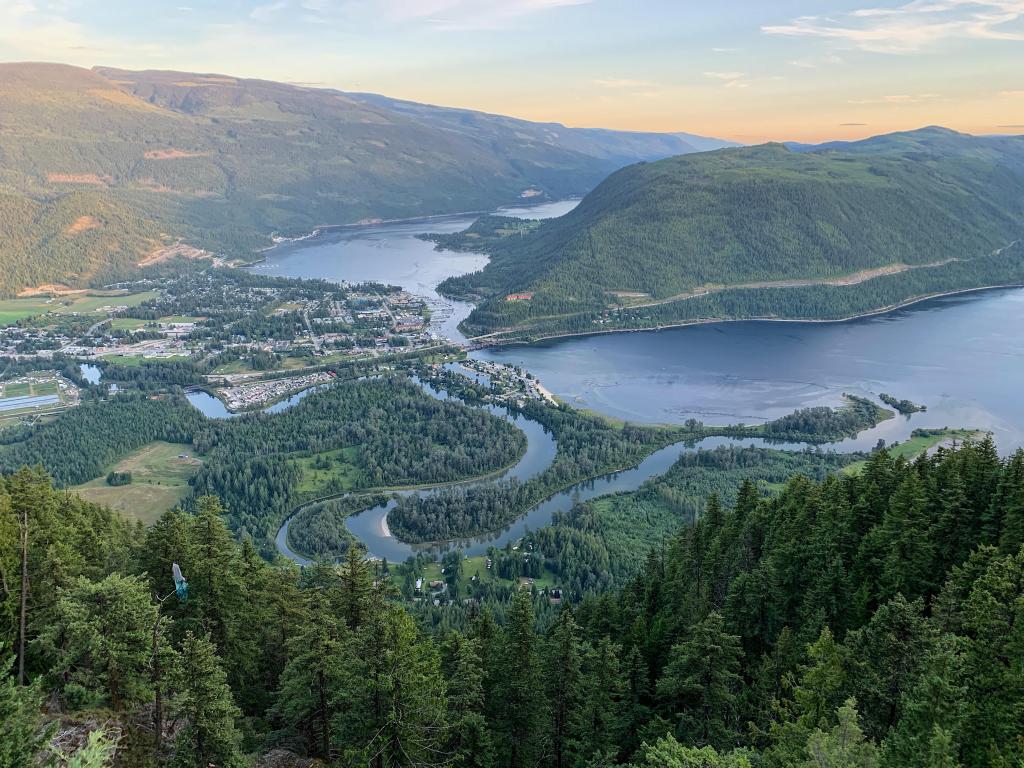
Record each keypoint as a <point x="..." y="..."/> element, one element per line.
<point x="155" y="158"/>
<point x="702" y="227"/>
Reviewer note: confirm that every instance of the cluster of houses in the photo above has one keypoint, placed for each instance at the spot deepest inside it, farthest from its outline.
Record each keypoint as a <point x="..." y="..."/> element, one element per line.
<point x="250" y="395"/>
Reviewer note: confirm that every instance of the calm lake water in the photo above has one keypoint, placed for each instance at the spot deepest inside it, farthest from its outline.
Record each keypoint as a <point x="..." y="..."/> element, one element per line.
<point x="961" y="356"/>
<point x="391" y="253"/>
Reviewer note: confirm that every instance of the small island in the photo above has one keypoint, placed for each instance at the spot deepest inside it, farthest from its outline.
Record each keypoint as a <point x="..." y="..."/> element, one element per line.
<point x="906" y="407"/>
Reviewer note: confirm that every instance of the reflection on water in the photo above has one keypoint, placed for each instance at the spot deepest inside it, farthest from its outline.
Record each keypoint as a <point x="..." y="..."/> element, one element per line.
<point x="91" y="373"/>
<point x="962" y="356"/>
<point x="392" y="254"/>
<point x="214" y="408"/>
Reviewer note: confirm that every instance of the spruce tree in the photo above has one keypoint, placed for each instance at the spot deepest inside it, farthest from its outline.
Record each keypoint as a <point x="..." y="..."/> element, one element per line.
<point x="470" y="744"/>
<point x="701" y="684"/>
<point x="311" y="679"/>
<point x="563" y="683"/>
<point x="203" y="703"/>
<point x="517" y="689"/>
<point x="22" y="735"/>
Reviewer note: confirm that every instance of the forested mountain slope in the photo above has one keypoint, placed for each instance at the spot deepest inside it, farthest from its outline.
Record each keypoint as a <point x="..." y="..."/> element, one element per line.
<point x="100" y="168"/>
<point x="867" y="620"/>
<point x="763" y="219"/>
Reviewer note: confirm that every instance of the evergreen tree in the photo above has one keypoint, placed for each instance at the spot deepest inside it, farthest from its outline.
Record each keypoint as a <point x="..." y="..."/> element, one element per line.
<point x="563" y="680"/>
<point x="396" y="700"/>
<point x="22" y="735"/>
<point x="843" y="746"/>
<point x="101" y="642"/>
<point x="933" y="706"/>
<point x="470" y="743"/>
<point x="203" y="702"/>
<point x="701" y="684"/>
<point x="311" y="679"/>
<point x="600" y="714"/>
<point x="907" y="565"/>
<point x="517" y="689"/>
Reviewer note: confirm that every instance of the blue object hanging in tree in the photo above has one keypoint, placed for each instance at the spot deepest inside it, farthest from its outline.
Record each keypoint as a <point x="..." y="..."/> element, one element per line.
<point x="180" y="585"/>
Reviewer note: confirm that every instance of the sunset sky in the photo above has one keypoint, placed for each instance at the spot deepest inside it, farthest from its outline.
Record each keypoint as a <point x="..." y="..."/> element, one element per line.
<point x="750" y="71"/>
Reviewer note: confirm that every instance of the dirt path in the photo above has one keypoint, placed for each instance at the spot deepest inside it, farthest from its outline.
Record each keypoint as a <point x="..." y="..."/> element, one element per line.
<point x="852" y="279"/>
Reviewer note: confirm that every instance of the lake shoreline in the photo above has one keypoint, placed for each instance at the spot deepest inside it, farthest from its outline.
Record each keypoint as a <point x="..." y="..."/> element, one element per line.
<point x="717" y="321"/>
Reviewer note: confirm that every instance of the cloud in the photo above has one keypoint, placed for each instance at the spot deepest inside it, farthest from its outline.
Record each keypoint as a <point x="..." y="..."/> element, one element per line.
<point x="913" y="26"/>
<point x="1011" y="94"/>
<point x="730" y="79"/>
<point x="29" y="31"/>
<point x="624" y="82"/>
<point x="268" y="11"/>
<point x="899" y="98"/>
<point x="451" y="15"/>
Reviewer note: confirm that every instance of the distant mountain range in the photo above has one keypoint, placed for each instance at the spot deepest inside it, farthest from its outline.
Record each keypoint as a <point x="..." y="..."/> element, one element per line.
<point x="103" y="169"/>
<point x="821" y="232"/>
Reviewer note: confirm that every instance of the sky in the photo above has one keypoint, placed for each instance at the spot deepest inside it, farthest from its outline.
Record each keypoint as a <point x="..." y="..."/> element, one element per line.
<point x="738" y="69"/>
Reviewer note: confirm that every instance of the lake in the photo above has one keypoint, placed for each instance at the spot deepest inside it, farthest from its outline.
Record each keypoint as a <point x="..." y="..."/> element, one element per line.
<point x="392" y="254"/>
<point x="961" y="356"/>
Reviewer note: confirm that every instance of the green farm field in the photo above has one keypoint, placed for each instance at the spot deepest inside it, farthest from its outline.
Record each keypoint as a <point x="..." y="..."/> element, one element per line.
<point x="159" y="481"/>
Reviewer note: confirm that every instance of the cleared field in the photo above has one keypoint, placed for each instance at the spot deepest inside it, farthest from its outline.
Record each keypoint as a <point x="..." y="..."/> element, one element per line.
<point x="341" y="469"/>
<point x="477" y="566"/>
<point x="133" y="361"/>
<point x="128" y="323"/>
<point x="27" y="388"/>
<point x="12" y="310"/>
<point x="159" y="481"/>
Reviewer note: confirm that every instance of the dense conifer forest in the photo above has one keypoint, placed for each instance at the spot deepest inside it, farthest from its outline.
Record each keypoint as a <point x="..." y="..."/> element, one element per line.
<point x="872" y="619"/>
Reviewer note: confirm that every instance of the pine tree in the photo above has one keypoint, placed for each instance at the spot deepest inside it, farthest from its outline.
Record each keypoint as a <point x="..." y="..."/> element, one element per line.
<point x="22" y="735"/>
<point x="600" y="714"/>
<point x="563" y="679"/>
<point x="907" y="567"/>
<point x="517" y="688"/>
<point x="701" y="683"/>
<point x="311" y="679"/>
<point x="941" y="752"/>
<point x="1008" y="506"/>
<point x="203" y="702"/>
<point x="822" y="683"/>
<point x="470" y="743"/>
<point x="397" y="704"/>
<point x="356" y="586"/>
<point x="844" y="746"/>
<point x="934" y="704"/>
<point x="101" y="642"/>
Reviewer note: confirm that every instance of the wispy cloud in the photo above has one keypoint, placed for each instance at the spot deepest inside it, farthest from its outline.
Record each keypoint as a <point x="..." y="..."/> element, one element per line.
<point x="913" y="26"/>
<point x="624" y="83"/>
<point x="32" y="31"/>
<point x="899" y="98"/>
<point x="730" y="79"/>
<point x="448" y="14"/>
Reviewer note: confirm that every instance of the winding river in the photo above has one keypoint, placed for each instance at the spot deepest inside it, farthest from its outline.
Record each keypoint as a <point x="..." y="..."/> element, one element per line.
<point x="370" y="526"/>
<point x="962" y="356"/>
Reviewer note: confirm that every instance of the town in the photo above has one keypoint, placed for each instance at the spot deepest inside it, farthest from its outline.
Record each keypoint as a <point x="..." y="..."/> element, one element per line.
<point x="250" y="340"/>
